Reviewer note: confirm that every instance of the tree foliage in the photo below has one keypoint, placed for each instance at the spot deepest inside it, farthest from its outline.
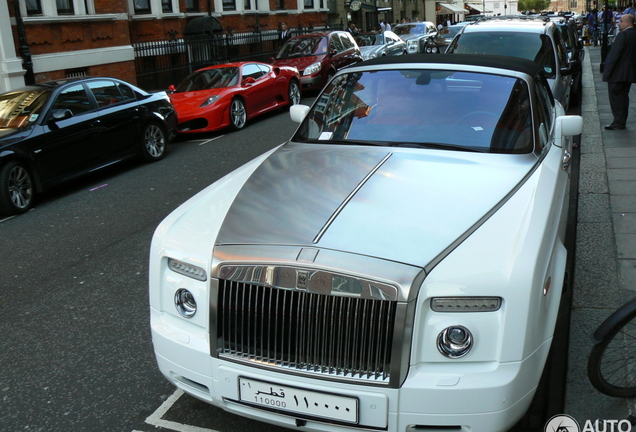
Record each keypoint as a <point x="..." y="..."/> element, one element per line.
<point x="533" y="5"/>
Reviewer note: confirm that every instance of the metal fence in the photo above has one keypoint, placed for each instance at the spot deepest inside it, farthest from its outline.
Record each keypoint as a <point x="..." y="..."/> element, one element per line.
<point x="160" y="63"/>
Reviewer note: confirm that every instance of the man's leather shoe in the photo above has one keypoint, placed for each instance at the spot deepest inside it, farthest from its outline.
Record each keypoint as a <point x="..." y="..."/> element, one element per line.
<point x="614" y="127"/>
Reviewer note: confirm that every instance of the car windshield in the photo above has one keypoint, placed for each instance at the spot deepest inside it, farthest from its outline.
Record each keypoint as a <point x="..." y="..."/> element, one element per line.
<point x="405" y="29"/>
<point x="369" y="39"/>
<point x="531" y="46"/>
<point x="19" y="109"/>
<point x="210" y="79"/>
<point x="303" y="47"/>
<point x="423" y="108"/>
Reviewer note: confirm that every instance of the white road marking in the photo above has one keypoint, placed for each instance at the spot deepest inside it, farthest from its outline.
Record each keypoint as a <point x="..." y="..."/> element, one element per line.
<point x="210" y="140"/>
<point x="155" y="418"/>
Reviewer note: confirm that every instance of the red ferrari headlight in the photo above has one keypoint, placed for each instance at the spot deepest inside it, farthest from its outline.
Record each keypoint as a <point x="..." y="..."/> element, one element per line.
<point x="210" y="101"/>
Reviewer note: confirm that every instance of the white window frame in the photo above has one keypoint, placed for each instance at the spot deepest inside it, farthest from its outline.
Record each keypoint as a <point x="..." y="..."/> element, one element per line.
<point x="49" y="8"/>
<point x="156" y="10"/>
<point x="257" y="6"/>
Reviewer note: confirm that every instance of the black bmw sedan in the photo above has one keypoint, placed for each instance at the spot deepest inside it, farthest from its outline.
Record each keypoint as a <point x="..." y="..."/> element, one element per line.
<point x="55" y="131"/>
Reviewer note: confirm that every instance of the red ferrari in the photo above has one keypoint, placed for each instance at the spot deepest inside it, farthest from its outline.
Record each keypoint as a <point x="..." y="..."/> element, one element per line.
<point x="230" y="94"/>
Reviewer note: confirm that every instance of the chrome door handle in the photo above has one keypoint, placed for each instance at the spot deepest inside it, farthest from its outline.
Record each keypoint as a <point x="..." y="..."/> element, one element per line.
<point x="566" y="159"/>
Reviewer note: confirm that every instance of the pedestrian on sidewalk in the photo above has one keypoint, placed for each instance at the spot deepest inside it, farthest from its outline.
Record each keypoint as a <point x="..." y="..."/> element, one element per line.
<point x="620" y="71"/>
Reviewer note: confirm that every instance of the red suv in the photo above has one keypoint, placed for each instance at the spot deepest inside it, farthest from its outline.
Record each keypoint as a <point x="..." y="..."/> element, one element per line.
<point x="318" y="56"/>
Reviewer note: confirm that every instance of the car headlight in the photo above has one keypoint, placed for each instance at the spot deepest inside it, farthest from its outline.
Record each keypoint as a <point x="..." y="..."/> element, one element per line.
<point x="455" y="341"/>
<point x="186" y="269"/>
<point x="466" y="304"/>
<point x="210" y="101"/>
<point x="314" y="68"/>
<point x="413" y="44"/>
<point x="185" y="303"/>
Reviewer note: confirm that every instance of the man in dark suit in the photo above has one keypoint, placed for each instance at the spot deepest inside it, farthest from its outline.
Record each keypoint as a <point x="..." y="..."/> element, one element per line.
<point x="284" y="34"/>
<point x="620" y="71"/>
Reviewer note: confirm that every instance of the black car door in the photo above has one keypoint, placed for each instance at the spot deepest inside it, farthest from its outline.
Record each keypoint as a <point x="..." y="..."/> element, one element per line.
<point x="73" y="130"/>
<point x="119" y="116"/>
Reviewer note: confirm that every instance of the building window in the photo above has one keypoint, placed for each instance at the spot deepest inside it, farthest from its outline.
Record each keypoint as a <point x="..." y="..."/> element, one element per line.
<point x="64" y="7"/>
<point x="280" y="4"/>
<point x="142" y="6"/>
<point x="229" y="5"/>
<point x="309" y="4"/>
<point x="247" y="4"/>
<point x="166" y="6"/>
<point x="192" y="5"/>
<point x="33" y="7"/>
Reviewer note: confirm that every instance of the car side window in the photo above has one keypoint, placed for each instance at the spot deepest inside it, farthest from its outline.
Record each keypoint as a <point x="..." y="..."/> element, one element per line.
<point x="561" y="50"/>
<point x="347" y="41"/>
<point x="252" y="71"/>
<point x="335" y="44"/>
<point x="106" y="92"/>
<point x="544" y="108"/>
<point x="126" y="92"/>
<point x="265" y="68"/>
<point x="73" y="98"/>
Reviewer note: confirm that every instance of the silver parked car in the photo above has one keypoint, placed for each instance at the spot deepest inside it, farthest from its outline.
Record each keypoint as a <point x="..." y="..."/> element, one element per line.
<point x="535" y="39"/>
<point x="378" y="44"/>
<point x="398" y="262"/>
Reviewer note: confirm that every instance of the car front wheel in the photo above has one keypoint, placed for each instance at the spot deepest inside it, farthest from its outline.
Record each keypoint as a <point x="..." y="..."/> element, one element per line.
<point x="238" y="114"/>
<point x="16" y="188"/>
<point x="153" y="142"/>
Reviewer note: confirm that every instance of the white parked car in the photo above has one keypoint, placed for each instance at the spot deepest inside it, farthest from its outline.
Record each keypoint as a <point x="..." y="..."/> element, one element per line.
<point x="397" y="265"/>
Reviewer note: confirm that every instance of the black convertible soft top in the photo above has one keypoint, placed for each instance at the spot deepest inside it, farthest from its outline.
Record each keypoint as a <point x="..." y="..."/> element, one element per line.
<point x="500" y="62"/>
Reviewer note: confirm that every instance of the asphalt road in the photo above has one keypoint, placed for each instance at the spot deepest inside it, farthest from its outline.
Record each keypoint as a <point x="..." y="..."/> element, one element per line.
<point x="74" y="323"/>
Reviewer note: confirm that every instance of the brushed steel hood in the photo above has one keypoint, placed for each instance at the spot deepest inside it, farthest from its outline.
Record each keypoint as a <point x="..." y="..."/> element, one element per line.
<point x="402" y="205"/>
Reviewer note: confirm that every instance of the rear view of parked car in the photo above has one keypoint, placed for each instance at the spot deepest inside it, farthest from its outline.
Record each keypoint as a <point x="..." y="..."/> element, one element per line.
<point x="537" y="39"/>
<point x="53" y="132"/>
<point x="318" y="56"/>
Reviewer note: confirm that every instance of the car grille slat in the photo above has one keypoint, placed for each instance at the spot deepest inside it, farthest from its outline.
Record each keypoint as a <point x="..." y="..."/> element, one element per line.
<point x="345" y="337"/>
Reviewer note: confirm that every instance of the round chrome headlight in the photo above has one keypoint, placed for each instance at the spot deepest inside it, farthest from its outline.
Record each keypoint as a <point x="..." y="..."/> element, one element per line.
<point x="455" y="341"/>
<point x="185" y="303"/>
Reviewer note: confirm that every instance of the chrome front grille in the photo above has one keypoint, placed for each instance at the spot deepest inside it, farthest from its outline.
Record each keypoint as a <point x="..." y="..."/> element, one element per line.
<point x="339" y="336"/>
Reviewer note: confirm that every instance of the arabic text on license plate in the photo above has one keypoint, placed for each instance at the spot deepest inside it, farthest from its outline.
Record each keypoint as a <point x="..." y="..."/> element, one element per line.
<point x="292" y="399"/>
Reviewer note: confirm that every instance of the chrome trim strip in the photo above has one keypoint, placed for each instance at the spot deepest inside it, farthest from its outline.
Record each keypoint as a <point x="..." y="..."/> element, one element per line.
<point x="310" y="280"/>
<point x="348" y="198"/>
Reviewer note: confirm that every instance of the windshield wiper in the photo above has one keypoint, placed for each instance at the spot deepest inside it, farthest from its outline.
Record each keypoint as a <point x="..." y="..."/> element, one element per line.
<point x="430" y="145"/>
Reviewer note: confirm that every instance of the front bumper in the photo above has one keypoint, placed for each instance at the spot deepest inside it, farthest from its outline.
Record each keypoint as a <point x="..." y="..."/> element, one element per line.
<point x="481" y="397"/>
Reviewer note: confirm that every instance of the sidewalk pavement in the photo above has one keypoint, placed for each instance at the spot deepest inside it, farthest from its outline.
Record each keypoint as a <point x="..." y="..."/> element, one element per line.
<point x="605" y="263"/>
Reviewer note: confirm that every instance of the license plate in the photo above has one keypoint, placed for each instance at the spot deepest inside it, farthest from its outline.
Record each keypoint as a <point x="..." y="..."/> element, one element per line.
<point x="300" y="401"/>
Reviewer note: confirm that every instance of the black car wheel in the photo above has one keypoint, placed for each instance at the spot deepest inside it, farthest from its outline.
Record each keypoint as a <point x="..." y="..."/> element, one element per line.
<point x="153" y="142"/>
<point x="294" y="93"/>
<point x="16" y="188"/>
<point x="238" y="114"/>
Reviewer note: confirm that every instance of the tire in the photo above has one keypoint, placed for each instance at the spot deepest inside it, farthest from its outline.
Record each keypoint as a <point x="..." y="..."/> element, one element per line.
<point x="238" y="114"/>
<point x="611" y="366"/>
<point x="293" y="93"/>
<point x="153" y="142"/>
<point x="16" y="188"/>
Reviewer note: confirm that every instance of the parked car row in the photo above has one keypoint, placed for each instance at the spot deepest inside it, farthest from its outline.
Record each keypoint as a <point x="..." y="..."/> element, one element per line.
<point x="105" y="120"/>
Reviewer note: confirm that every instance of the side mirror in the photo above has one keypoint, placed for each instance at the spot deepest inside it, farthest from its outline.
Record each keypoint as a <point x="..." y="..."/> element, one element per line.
<point x="171" y="88"/>
<point x="249" y="81"/>
<point x="565" y="126"/>
<point x="61" y="114"/>
<point x="298" y="112"/>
